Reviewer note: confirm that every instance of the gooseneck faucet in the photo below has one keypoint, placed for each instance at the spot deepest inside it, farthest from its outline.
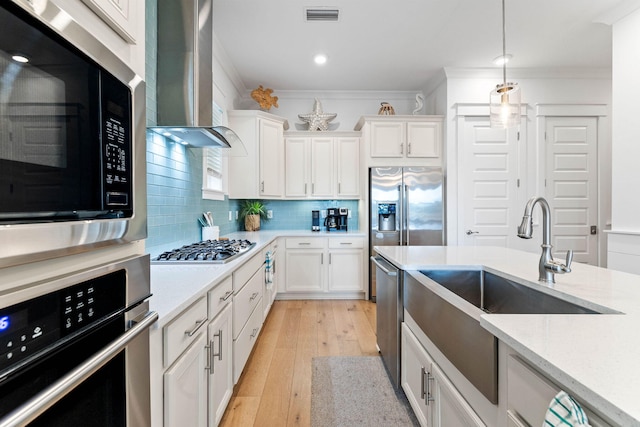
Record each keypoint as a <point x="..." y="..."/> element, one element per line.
<point x="547" y="266"/>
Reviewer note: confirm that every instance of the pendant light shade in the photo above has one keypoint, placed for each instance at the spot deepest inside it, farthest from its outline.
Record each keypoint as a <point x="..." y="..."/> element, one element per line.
<point x="504" y="100"/>
<point x="504" y="106"/>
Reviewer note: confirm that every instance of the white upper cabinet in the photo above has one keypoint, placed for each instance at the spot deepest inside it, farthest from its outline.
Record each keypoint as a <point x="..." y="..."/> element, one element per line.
<point x="118" y="24"/>
<point x="322" y="166"/>
<point x="259" y="174"/>
<point x="348" y="167"/>
<point x="402" y="140"/>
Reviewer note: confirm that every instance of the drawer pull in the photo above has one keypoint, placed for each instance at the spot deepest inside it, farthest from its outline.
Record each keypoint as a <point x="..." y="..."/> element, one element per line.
<point x="226" y="296"/>
<point x="304" y="243"/>
<point x="346" y="243"/>
<point x="199" y="324"/>
<point x="254" y="295"/>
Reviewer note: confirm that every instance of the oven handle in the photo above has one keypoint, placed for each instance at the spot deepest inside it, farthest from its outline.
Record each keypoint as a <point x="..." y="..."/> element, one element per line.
<point x="35" y="406"/>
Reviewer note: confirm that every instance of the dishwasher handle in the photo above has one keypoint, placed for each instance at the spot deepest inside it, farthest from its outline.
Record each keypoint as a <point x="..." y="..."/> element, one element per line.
<point x="388" y="269"/>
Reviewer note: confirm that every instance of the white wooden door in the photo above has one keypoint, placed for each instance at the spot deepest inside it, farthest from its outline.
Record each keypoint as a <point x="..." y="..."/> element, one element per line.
<point x="297" y="167"/>
<point x="322" y="167"/>
<point x="304" y="270"/>
<point x="345" y="270"/>
<point x="348" y="167"/>
<point x="572" y="185"/>
<point x="423" y="139"/>
<point x="490" y="168"/>
<point x="271" y="158"/>
<point x="387" y="139"/>
<point x="220" y="365"/>
<point x="185" y="388"/>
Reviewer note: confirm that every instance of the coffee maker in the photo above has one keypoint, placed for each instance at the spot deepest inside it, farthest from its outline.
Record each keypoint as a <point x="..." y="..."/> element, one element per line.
<point x="336" y="219"/>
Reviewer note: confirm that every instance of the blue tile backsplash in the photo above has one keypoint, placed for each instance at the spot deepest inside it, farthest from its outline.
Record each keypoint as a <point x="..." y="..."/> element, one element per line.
<point x="174" y="182"/>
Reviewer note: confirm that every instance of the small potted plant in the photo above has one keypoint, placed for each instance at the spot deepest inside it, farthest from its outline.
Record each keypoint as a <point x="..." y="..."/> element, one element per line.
<point x="250" y="213"/>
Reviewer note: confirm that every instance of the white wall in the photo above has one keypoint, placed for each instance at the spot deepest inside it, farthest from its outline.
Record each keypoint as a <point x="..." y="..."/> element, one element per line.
<point x="624" y="240"/>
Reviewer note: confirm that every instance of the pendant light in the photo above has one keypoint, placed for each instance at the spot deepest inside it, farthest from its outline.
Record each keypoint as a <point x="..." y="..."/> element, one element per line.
<point x="504" y="104"/>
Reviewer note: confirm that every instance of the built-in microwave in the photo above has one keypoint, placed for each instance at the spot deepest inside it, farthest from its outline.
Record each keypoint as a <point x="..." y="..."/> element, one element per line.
<point x="71" y="126"/>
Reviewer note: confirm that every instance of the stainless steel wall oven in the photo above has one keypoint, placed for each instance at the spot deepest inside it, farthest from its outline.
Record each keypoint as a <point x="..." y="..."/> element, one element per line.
<point x="72" y="150"/>
<point x="75" y="350"/>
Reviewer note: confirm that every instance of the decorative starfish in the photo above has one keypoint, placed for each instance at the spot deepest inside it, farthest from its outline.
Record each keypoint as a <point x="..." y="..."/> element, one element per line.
<point x="317" y="119"/>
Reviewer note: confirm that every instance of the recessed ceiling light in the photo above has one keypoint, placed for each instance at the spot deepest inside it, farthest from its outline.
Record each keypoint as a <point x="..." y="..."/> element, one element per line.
<point x="20" y="58"/>
<point x="320" y="59"/>
<point x="502" y="59"/>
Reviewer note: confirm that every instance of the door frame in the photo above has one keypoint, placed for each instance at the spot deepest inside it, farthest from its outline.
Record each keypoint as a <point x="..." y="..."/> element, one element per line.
<point x="601" y="113"/>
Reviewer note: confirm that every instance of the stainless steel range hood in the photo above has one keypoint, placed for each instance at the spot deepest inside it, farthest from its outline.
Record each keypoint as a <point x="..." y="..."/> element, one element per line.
<point x="185" y="78"/>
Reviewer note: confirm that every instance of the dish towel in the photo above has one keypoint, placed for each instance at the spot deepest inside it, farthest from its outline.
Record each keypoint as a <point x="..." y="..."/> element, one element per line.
<point x="268" y="277"/>
<point x="565" y="412"/>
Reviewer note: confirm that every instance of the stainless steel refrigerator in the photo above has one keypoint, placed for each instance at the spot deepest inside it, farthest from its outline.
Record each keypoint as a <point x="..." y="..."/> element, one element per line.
<point x="407" y="208"/>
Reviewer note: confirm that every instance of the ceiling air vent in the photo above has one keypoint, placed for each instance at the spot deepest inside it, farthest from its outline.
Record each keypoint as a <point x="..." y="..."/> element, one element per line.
<point x="328" y="15"/>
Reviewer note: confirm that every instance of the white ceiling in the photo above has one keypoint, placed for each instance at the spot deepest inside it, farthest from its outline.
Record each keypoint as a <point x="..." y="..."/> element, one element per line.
<point x="399" y="45"/>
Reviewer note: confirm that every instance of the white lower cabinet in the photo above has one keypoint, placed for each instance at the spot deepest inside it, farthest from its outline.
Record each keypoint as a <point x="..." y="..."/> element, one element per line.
<point x="328" y="266"/>
<point x="248" y="311"/>
<point x="220" y="366"/>
<point x="529" y="394"/>
<point x="185" y="388"/>
<point x="245" y="341"/>
<point x="434" y="399"/>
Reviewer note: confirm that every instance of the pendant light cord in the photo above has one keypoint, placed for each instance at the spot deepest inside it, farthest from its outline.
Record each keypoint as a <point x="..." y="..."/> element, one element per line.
<point x="504" y="47"/>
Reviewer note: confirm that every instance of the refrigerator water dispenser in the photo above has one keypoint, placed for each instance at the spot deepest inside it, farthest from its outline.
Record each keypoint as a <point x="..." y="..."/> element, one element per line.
<point x="386" y="217"/>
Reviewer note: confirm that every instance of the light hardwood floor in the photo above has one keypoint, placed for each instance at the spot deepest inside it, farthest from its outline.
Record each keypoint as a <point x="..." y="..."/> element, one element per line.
<point x="275" y="388"/>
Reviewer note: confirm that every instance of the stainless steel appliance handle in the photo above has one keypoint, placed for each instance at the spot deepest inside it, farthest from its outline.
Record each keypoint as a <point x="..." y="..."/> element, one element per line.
<point x="406" y="212"/>
<point x="399" y="219"/>
<point x="382" y="267"/>
<point x="37" y="405"/>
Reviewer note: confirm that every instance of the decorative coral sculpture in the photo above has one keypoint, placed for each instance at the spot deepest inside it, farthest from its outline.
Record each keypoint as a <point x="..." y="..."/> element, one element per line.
<point x="264" y="98"/>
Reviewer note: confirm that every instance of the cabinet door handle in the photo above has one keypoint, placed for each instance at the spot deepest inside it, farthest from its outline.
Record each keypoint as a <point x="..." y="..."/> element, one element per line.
<point x="339" y="191"/>
<point x="329" y="258"/>
<point x="262" y="186"/>
<point x="199" y="324"/>
<point x="313" y="188"/>
<point x="321" y="258"/>
<point x="226" y="296"/>
<point x="423" y="392"/>
<point x="430" y="398"/>
<point x="212" y="354"/>
<point x="254" y="332"/>
<point x="409" y="148"/>
<point x="254" y="295"/>
<point x="401" y="148"/>
<point x="305" y="188"/>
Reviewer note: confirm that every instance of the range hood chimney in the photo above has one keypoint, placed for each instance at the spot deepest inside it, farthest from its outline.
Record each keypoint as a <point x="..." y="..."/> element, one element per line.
<point x="185" y="77"/>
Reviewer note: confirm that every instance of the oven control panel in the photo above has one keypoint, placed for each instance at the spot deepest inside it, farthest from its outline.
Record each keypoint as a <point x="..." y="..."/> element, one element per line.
<point x="33" y="327"/>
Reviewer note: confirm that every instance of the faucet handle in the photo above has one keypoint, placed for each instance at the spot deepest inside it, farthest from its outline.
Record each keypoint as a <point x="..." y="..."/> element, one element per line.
<point x="569" y="259"/>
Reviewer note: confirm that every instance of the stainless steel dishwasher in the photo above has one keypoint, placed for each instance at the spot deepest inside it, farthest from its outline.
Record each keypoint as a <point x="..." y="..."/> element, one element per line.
<point x="389" y="315"/>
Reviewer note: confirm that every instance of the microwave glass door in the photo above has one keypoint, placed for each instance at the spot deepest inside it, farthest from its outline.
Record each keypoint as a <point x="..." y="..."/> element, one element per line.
<point x="65" y="126"/>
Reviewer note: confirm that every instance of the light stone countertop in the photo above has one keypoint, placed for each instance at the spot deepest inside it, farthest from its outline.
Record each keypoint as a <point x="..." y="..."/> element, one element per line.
<point x="176" y="286"/>
<point x="594" y="356"/>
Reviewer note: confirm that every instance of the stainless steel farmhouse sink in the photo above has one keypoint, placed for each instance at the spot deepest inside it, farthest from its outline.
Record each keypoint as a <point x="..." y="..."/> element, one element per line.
<point x="494" y="294"/>
<point x="447" y="305"/>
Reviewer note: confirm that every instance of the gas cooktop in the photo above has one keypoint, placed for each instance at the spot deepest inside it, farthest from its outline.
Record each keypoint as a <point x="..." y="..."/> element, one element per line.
<point x="206" y="251"/>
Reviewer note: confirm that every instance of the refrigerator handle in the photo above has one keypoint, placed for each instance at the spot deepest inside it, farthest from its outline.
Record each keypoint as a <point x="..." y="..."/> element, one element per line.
<point x="401" y="214"/>
<point x="406" y="212"/>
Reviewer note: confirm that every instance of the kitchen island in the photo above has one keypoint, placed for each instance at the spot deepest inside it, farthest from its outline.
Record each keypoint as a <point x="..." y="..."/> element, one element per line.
<point x="592" y="356"/>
